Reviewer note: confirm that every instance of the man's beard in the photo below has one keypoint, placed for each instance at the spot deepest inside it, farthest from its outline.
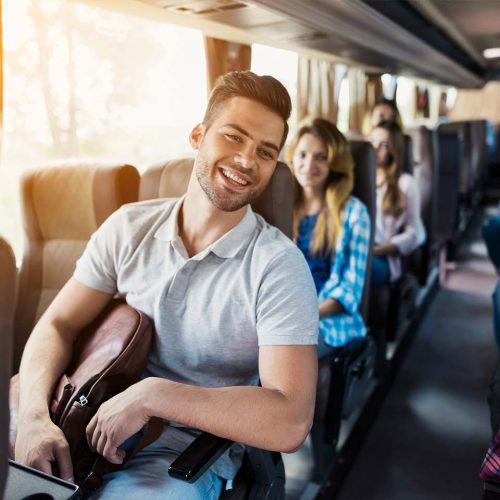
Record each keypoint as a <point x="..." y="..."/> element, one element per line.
<point x="222" y="198"/>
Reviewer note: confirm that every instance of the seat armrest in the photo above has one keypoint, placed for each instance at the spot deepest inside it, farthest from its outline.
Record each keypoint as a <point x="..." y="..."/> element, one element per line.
<point x="348" y="353"/>
<point x="198" y="457"/>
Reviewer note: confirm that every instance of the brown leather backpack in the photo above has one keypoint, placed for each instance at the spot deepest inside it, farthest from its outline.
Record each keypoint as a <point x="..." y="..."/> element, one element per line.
<point x="108" y="357"/>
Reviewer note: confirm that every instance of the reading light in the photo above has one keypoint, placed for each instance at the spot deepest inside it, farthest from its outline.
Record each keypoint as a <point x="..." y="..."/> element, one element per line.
<point x="491" y="53"/>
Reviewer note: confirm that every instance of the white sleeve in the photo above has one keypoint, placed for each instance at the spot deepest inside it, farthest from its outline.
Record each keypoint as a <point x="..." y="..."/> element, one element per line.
<point x="97" y="267"/>
<point x="413" y="233"/>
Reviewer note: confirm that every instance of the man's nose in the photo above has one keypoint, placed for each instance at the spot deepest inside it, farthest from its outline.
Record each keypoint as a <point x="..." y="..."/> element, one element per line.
<point x="246" y="157"/>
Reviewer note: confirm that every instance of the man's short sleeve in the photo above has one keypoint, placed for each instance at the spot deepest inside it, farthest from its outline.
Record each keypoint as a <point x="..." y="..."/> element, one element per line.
<point x="287" y="308"/>
<point x="97" y="266"/>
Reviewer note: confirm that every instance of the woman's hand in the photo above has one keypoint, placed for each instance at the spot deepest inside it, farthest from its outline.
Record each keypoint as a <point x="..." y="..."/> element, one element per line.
<point x="329" y="307"/>
<point x="385" y="249"/>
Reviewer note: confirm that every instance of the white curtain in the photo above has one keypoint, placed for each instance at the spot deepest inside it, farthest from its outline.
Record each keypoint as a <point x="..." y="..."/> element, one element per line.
<point x="316" y="89"/>
<point x="357" y="98"/>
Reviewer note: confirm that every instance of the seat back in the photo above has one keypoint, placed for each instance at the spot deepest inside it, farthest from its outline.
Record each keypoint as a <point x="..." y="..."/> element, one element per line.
<point x="426" y="177"/>
<point x="408" y="156"/>
<point x="365" y="164"/>
<point x="7" y="297"/>
<point x="171" y="179"/>
<point x="479" y="158"/>
<point x="450" y="140"/>
<point x="63" y="204"/>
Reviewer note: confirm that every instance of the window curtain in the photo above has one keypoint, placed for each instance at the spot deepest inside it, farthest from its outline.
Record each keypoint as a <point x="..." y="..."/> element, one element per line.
<point x="374" y="89"/>
<point x="223" y="57"/>
<point x="316" y="89"/>
<point x="390" y="86"/>
<point x="374" y="92"/>
<point x="357" y="99"/>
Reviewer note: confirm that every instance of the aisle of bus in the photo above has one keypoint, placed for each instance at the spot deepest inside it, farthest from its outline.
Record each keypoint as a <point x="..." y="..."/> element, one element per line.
<point x="433" y="430"/>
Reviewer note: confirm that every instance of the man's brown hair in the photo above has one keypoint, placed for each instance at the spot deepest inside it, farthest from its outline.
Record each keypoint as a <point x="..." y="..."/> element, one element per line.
<point x="265" y="90"/>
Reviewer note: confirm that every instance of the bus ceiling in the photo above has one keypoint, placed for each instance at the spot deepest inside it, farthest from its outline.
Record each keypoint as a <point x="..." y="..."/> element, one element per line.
<point x="433" y="39"/>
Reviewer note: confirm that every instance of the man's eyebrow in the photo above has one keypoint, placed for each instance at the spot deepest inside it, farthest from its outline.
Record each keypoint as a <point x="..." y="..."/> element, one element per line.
<point x="245" y="133"/>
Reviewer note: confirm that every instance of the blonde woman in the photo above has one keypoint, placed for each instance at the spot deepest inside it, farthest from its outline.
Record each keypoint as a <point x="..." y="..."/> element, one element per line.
<point x="399" y="229"/>
<point x="331" y="228"/>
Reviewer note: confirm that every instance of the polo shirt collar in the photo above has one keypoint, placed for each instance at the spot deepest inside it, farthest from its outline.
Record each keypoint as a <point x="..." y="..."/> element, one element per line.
<point x="227" y="246"/>
<point x="169" y="230"/>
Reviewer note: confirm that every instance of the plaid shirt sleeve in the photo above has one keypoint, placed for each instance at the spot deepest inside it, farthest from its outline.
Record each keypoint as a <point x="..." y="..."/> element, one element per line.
<point x="348" y="272"/>
<point x="490" y="468"/>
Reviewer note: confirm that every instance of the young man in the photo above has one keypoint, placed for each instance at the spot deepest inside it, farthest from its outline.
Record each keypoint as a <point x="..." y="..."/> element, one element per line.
<point x="232" y="300"/>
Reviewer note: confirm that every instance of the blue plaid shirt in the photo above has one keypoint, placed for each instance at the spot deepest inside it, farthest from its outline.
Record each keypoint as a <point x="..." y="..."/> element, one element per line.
<point x="347" y="276"/>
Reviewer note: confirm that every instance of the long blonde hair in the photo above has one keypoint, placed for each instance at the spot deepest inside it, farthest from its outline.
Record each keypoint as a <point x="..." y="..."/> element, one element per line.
<point x="394" y="200"/>
<point x="339" y="184"/>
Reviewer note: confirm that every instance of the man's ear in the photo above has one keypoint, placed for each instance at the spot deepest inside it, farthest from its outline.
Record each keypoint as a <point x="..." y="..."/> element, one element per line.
<point x="196" y="135"/>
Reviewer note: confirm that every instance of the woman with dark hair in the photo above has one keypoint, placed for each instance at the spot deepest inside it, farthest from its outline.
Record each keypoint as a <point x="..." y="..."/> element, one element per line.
<point x="385" y="110"/>
<point x="399" y="229"/>
<point x="331" y="227"/>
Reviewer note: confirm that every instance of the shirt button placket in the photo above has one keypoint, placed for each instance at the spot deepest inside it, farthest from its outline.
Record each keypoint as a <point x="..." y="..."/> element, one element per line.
<point x="180" y="283"/>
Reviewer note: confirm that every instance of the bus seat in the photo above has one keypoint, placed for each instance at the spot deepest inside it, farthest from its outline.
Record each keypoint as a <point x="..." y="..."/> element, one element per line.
<point x="479" y="159"/>
<point x="63" y="204"/>
<point x="425" y="151"/>
<point x="345" y="375"/>
<point x="8" y="273"/>
<point x="166" y="180"/>
<point x="364" y="188"/>
<point x="467" y="172"/>
<point x="408" y="156"/>
<point x="450" y="140"/>
<point x="262" y="474"/>
<point x="170" y="180"/>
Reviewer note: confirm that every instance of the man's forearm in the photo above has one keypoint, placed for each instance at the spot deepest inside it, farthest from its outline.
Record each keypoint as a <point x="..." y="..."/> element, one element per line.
<point x="260" y="417"/>
<point x="46" y="355"/>
<point x="49" y="347"/>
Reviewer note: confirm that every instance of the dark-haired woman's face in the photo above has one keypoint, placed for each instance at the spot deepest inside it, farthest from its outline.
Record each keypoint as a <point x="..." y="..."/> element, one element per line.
<point x="382" y="113"/>
<point x="310" y="162"/>
<point x="380" y="139"/>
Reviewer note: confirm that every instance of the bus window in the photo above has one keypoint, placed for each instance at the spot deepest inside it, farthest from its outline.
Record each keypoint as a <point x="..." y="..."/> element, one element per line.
<point x="85" y="82"/>
<point x="283" y="65"/>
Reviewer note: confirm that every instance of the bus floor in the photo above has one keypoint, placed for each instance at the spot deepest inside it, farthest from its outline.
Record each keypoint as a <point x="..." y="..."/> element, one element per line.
<point x="433" y="429"/>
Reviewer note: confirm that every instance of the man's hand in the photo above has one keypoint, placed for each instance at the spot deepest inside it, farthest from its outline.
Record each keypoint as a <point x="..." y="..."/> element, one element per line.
<point x="118" y="419"/>
<point x="40" y="443"/>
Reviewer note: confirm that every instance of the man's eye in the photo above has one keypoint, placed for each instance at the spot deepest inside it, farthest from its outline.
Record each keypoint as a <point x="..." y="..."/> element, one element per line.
<point x="266" y="155"/>
<point x="233" y="138"/>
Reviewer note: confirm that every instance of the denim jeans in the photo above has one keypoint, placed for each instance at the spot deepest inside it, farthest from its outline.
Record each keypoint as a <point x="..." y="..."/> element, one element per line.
<point x="380" y="271"/>
<point x="323" y="348"/>
<point x="146" y="475"/>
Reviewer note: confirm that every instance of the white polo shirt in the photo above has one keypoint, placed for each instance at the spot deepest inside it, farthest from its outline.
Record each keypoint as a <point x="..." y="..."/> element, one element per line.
<point x="212" y="311"/>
